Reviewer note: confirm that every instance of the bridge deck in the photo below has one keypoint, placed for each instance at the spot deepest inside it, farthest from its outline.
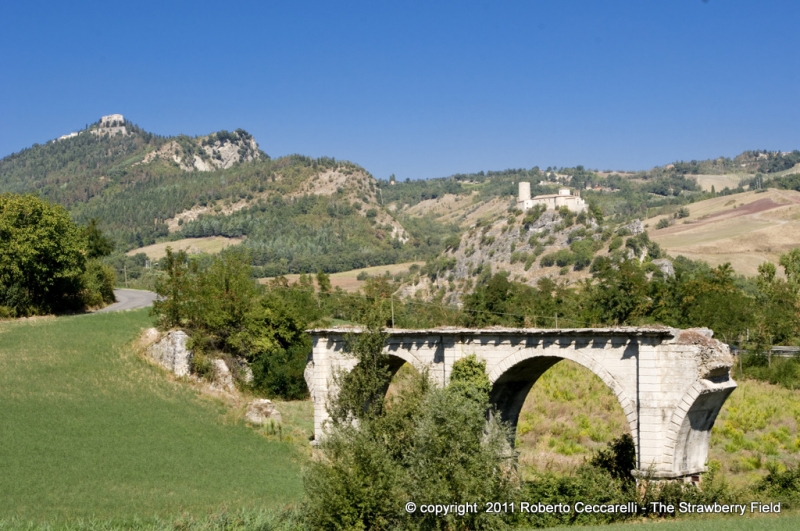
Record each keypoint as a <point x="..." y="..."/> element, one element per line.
<point x="657" y="331"/>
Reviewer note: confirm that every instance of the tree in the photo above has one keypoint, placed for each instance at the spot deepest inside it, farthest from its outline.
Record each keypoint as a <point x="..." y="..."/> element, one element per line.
<point x="713" y="300"/>
<point x="361" y="390"/>
<point x="42" y="257"/>
<point x="97" y="244"/>
<point x="620" y="295"/>
<point x="427" y="443"/>
<point x="324" y="282"/>
<point x="176" y="289"/>
<point x="791" y="265"/>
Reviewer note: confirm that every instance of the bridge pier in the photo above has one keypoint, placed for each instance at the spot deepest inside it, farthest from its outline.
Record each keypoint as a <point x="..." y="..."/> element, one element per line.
<point x="670" y="383"/>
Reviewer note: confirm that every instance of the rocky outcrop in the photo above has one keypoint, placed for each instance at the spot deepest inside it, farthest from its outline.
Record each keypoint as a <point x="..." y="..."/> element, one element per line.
<point x="635" y="227"/>
<point x="261" y="410"/>
<point x="217" y="151"/>
<point x="223" y="378"/>
<point x="665" y="266"/>
<point x="171" y="352"/>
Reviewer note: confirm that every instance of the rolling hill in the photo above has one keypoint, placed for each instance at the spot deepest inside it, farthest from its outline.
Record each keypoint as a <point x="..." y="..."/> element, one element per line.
<point x="294" y="214"/>
<point x="744" y="229"/>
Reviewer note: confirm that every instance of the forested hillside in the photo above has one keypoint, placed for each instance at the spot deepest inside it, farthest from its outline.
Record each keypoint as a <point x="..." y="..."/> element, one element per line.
<point x="296" y="214"/>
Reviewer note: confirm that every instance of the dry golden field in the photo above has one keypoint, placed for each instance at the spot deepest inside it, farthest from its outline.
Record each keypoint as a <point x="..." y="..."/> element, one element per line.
<point x="209" y="244"/>
<point x="744" y="229"/>
<point x="348" y="281"/>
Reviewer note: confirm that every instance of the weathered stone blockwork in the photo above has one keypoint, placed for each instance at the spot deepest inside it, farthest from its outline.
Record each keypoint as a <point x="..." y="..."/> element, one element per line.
<point x="670" y="383"/>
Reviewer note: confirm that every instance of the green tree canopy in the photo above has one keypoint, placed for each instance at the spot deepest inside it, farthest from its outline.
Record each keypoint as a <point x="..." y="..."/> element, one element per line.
<point x="42" y="256"/>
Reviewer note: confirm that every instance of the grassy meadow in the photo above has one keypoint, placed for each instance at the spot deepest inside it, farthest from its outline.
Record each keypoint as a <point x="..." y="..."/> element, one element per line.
<point x="766" y="523"/>
<point x="90" y="430"/>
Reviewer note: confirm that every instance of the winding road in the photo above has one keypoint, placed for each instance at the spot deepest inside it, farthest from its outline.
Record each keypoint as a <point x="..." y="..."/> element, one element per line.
<point x="130" y="299"/>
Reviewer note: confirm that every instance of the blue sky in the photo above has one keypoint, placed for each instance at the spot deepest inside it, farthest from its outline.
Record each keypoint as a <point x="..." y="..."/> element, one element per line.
<point x="418" y="89"/>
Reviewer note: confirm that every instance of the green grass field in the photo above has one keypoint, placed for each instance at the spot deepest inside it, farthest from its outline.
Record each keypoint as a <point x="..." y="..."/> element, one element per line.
<point x="770" y="523"/>
<point x="89" y="430"/>
<point x="93" y="436"/>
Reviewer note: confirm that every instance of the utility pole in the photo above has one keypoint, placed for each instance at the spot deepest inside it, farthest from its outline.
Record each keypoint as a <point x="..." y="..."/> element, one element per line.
<point x="556" y="321"/>
<point x="125" y="269"/>
<point x="392" y="299"/>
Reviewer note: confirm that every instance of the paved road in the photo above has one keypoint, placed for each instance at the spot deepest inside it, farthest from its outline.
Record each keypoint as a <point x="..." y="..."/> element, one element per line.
<point x="130" y="299"/>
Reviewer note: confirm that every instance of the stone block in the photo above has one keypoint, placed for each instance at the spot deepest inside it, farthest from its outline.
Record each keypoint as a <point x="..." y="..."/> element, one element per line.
<point x="260" y="411"/>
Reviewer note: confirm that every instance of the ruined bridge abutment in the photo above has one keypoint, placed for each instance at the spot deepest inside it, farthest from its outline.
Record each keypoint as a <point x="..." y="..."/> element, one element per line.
<point x="670" y="383"/>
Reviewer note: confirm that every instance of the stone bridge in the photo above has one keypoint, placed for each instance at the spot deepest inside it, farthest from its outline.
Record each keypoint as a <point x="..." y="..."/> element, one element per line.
<point x="670" y="383"/>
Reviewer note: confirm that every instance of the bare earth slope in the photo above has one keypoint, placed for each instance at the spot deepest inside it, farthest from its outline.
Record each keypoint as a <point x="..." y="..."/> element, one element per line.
<point x="744" y="229"/>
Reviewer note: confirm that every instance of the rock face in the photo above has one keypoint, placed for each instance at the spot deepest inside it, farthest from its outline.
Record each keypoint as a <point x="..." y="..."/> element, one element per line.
<point x="247" y="373"/>
<point x="508" y="247"/>
<point x="209" y="153"/>
<point x="261" y="410"/>
<point x="635" y="227"/>
<point x="223" y="379"/>
<point x="171" y="352"/>
<point x="665" y="266"/>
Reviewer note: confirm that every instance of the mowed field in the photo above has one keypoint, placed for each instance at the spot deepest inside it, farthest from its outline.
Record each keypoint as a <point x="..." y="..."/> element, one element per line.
<point x="348" y="280"/>
<point x="744" y="229"/>
<point x="209" y="244"/>
<point x="719" y="182"/>
<point x="90" y="430"/>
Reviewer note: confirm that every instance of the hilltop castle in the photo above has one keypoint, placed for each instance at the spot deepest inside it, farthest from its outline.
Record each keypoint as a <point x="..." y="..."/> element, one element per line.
<point x="564" y="197"/>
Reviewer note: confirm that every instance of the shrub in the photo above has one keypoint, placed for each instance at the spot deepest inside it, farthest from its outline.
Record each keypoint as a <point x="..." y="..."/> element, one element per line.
<point x="225" y="313"/>
<point x="201" y="365"/>
<point x="452" y="242"/>
<point x="363" y="275"/>
<point x="98" y="281"/>
<point x="533" y="215"/>
<point x="519" y="256"/>
<point x="618" y="458"/>
<point x="583" y="250"/>
<point x="781" y="484"/>
<point x="663" y="223"/>
<point x="564" y="257"/>
<point x="529" y="261"/>
<point x="548" y="260"/>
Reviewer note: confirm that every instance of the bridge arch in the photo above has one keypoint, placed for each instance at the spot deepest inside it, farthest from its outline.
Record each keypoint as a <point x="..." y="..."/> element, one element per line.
<point x="513" y="378"/>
